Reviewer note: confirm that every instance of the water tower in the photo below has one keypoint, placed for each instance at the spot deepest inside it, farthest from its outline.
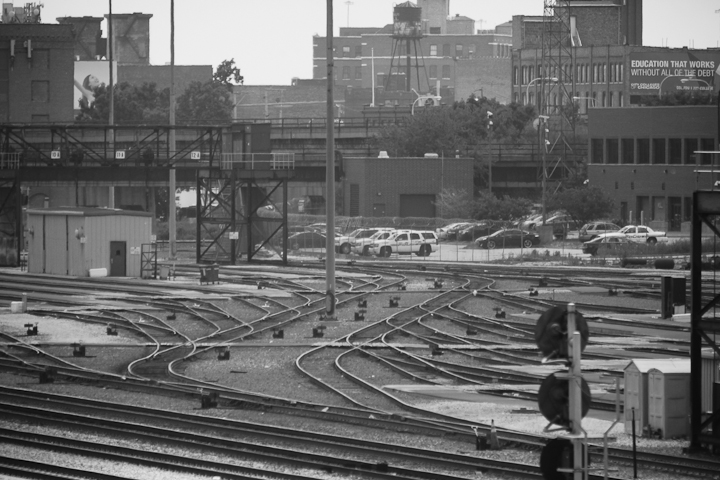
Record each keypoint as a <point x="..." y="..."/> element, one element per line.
<point x="407" y="32"/>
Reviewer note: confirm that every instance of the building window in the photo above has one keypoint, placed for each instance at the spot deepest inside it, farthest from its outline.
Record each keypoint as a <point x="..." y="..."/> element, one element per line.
<point x="643" y="150"/>
<point x="597" y="150"/>
<point x="446" y="50"/>
<point x="620" y="99"/>
<point x="346" y="51"/>
<point x="612" y="151"/>
<point x="358" y="73"/>
<point x="515" y="75"/>
<point x="433" y="50"/>
<point x="620" y="79"/>
<point x="433" y="71"/>
<point x="446" y="71"/>
<point x="459" y="50"/>
<point x="435" y="31"/>
<point x="346" y="73"/>
<point x="691" y="145"/>
<point x="595" y="73"/>
<point x="658" y="155"/>
<point x="707" y="144"/>
<point x="628" y="150"/>
<point x="675" y="150"/>
<point x="40" y="91"/>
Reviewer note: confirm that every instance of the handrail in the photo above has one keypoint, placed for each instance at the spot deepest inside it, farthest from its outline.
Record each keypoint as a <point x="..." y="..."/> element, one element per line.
<point x="258" y="161"/>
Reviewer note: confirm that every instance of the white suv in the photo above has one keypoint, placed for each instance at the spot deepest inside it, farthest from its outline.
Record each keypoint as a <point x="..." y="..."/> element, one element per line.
<point x="343" y="244"/>
<point x="361" y="246"/>
<point x="406" y="242"/>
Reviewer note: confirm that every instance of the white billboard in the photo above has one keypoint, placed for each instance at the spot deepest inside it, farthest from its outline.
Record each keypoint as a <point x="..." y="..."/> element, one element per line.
<point x="91" y="74"/>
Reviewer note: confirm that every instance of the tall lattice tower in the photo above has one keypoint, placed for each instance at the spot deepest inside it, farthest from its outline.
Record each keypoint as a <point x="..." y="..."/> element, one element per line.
<point x="407" y="58"/>
<point x="558" y="83"/>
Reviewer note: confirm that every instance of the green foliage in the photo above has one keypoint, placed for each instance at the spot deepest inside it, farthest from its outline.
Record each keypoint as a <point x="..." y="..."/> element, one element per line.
<point x="227" y="73"/>
<point x="204" y="103"/>
<point x="455" y="203"/>
<point x="490" y="207"/>
<point x="133" y="105"/>
<point x="461" y="128"/>
<point x="583" y="204"/>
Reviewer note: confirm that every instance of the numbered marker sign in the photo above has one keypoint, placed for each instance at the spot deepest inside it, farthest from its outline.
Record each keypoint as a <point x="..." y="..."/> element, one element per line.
<point x="120" y="155"/>
<point x="194" y="155"/>
<point x="55" y="155"/>
<point x="234" y="235"/>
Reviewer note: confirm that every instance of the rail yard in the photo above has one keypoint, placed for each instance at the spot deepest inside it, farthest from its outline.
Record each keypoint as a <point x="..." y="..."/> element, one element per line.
<point x="425" y="366"/>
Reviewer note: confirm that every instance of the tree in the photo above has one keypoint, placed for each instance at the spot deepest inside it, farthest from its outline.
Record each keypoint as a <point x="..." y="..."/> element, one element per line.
<point x="133" y="105"/>
<point x="583" y="204"/>
<point x="455" y="203"/>
<point x="227" y="73"/>
<point x="204" y="103"/>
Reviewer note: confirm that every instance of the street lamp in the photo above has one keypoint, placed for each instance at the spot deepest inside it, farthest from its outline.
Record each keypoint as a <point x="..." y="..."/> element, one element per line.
<point x="527" y="89"/>
<point x="682" y="80"/>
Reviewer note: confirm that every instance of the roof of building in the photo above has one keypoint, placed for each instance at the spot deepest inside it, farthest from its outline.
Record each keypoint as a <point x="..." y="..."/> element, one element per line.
<point x="87" y="212"/>
<point x="670" y="365"/>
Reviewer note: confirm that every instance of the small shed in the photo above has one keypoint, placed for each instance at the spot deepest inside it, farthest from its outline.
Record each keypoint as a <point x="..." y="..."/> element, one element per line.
<point x="669" y="400"/>
<point x="636" y="388"/>
<point x="74" y="240"/>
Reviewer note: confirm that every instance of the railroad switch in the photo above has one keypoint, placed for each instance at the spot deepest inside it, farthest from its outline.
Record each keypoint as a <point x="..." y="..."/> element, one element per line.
<point x="209" y="400"/>
<point x="319" y="332"/>
<point x="402" y="286"/>
<point x="543" y="282"/>
<point x="360" y="315"/>
<point x="111" y="330"/>
<point x="262" y="285"/>
<point x="362" y="303"/>
<point x="224" y="353"/>
<point x="78" y="350"/>
<point x="499" y="312"/>
<point x="437" y="283"/>
<point x="48" y="375"/>
<point x="394" y="302"/>
<point x="612" y="292"/>
<point x="31" y="329"/>
<point x="172" y="316"/>
<point x="533" y="292"/>
<point x="423" y="268"/>
<point x="471" y="331"/>
<point x="278" y="333"/>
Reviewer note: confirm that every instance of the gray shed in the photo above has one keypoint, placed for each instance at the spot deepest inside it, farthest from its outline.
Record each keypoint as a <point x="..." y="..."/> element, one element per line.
<point x="669" y="400"/>
<point x="75" y="240"/>
<point x="636" y="388"/>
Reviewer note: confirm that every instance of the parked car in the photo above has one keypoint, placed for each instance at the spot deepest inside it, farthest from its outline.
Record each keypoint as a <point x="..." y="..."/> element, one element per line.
<point x="643" y="234"/>
<point x="306" y="240"/>
<point x="343" y="243"/>
<point x="593" y="229"/>
<point x="451" y="231"/>
<point x="442" y="232"/>
<point x="361" y="246"/>
<point x="405" y="242"/>
<point x="476" y="230"/>
<point x="510" y="238"/>
<point x="605" y="244"/>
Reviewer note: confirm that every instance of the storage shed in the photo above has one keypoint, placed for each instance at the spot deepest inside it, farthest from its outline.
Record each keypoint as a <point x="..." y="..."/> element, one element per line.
<point x="75" y="240"/>
<point x="636" y="388"/>
<point x="669" y="400"/>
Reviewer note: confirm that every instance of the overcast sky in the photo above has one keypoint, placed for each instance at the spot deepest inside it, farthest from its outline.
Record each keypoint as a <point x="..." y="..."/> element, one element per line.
<point x="271" y="40"/>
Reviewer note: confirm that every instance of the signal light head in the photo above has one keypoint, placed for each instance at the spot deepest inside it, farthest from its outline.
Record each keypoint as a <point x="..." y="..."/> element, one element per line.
<point x="551" y="335"/>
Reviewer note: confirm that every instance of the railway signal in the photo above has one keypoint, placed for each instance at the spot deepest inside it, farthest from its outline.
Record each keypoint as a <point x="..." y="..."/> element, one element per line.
<point x="562" y="334"/>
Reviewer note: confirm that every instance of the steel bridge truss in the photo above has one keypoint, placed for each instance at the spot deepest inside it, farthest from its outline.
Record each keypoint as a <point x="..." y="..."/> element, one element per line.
<point x="104" y="145"/>
<point x="233" y="217"/>
<point x="704" y="325"/>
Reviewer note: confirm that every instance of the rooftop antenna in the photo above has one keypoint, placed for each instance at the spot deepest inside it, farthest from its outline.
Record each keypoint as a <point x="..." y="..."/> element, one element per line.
<point x="348" y="3"/>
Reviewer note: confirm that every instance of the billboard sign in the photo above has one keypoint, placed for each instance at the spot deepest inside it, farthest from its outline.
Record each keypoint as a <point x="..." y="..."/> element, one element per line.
<point x="690" y="71"/>
<point x="91" y="74"/>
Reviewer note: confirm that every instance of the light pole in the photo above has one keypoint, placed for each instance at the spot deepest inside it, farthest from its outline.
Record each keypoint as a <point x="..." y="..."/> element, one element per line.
<point x="585" y="98"/>
<point x="683" y="80"/>
<point x="527" y="89"/>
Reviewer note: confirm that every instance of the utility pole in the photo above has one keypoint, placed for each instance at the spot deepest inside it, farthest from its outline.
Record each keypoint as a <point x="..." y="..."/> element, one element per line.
<point x="171" y="139"/>
<point x="330" y="174"/>
<point x="111" y="89"/>
<point x="348" y="3"/>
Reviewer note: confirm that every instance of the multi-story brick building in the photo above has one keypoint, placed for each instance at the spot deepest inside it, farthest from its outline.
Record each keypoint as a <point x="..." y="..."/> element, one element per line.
<point x="443" y="50"/>
<point x="36" y="73"/>
<point x="645" y="158"/>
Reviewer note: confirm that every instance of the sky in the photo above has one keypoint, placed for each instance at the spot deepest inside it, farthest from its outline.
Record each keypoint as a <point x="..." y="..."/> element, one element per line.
<point x="271" y="40"/>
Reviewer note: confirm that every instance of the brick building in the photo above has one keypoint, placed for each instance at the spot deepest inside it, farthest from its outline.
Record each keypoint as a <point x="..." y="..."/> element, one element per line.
<point x="394" y="187"/>
<point x="644" y="157"/>
<point x="445" y="51"/>
<point x="36" y="73"/>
